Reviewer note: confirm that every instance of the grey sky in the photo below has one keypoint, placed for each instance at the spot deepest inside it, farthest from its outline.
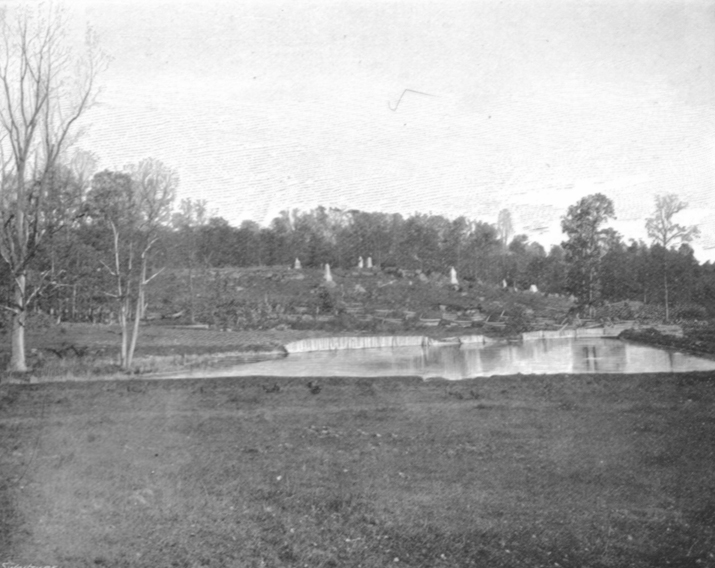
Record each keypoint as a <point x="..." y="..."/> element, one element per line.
<point x="262" y="106"/>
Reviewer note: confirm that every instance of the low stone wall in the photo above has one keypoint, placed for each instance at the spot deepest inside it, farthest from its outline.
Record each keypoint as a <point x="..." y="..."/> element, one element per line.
<point x="371" y="342"/>
<point x="389" y="341"/>
<point x="473" y="339"/>
<point x="572" y="333"/>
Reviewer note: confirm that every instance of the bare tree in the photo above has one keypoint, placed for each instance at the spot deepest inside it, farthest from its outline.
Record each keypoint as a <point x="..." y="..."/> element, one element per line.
<point x="505" y="227"/>
<point x="667" y="233"/>
<point x="45" y="87"/>
<point x="132" y="206"/>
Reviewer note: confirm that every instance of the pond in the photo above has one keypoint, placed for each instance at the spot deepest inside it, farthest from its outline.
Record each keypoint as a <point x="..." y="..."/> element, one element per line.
<point x="542" y="356"/>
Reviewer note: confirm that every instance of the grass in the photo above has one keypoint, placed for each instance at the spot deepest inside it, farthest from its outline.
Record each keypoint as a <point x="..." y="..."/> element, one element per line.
<point x="86" y="351"/>
<point x="588" y="470"/>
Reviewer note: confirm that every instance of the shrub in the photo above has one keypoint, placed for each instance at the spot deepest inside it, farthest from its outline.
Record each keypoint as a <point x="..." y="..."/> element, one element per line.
<point x="39" y="321"/>
<point x="690" y="312"/>
<point x="326" y="302"/>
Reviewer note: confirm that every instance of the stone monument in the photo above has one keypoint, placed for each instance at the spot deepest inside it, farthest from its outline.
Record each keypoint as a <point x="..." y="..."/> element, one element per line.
<point x="453" y="277"/>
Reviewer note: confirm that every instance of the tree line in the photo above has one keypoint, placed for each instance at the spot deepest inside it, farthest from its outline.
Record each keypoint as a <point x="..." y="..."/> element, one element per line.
<point x="129" y="232"/>
<point x="593" y="263"/>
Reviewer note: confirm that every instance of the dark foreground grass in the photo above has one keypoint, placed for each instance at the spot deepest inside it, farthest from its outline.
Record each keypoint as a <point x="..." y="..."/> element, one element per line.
<point x="599" y="471"/>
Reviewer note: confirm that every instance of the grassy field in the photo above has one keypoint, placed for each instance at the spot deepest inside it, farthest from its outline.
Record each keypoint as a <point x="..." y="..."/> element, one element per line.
<point x="581" y="471"/>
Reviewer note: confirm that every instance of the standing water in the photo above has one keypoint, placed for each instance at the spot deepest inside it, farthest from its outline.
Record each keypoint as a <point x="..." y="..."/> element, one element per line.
<point x="543" y="356"/>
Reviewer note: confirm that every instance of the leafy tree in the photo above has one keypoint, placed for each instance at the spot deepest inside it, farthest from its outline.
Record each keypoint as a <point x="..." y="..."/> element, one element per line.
<point x="45" y="88"/>
<point x="187" y="221"/>
<point x="704" y="292"/>
<point x="553" y="274"/>
<point x="455" y="242"/>
<point x="65" y="262"/>
<point x="586" y="245"/>
<point x="419" y="244"/>
<point x="685" y="273"/>
<point x="248" y="244"/>
<point x="216" y="243"/>
<point x="667" y="233"/>
<point x="534" y="271"/>
<point x="620" y="274"/>
<point x="484" y="250"/>
<point x="279" y="244"/>
<point x="518" y="244"/>
<point x="358" y="236"/>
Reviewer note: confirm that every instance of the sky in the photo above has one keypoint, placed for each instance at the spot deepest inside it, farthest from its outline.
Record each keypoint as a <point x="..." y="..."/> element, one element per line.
<point x="451" y="108"/>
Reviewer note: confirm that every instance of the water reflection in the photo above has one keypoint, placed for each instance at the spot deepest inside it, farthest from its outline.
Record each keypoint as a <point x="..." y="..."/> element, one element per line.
<point x="607" y="358"/>
<point x="587" y="355"/>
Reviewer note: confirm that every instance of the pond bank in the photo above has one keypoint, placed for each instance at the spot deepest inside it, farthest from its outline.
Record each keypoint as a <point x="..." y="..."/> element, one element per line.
<point x="168" y="351"/>
<point x="700" y="343"/>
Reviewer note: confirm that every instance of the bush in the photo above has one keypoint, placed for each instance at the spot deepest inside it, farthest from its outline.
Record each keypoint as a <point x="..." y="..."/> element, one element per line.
<point x="690" y="312"/>
<point x="326" y="302"/>
<point x="39" y="321"/>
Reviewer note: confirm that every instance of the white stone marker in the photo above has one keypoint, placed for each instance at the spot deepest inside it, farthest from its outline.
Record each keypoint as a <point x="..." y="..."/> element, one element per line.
<point x="369" y="262"/>
<point x="328" y="276"/>
<point x="453" y="277"/>
<point x="297" y="265"/>
<point x="360" y="263"/>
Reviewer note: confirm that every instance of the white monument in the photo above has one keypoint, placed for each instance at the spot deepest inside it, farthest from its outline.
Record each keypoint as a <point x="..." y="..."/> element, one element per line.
<point x="360" y="263"/>
<point x="453" y="277"/>
<point x="369" y="262"/>
<point x="503" y="283"/>
<point x="328" y="276"/>
<point x="297" y="265"/>
<point x="533" y="289"/>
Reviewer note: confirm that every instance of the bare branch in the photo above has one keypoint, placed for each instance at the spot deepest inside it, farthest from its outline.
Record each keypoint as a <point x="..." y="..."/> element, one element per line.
<point x="38" y="288"/>
<point x="663" y="229"/>
<point x="147" y="280"/>
<point x="112" y="272"/>
<point x="37" y="117"/>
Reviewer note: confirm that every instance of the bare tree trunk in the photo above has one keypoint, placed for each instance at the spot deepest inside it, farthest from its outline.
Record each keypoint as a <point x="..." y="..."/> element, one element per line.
<point x="192" y="294"/>
<point x="142" y="305"/>
<point x="665" y="284"/>
<point x="137" y="315"/>
<point x="19" y="317"/>
<point x="124" y="322"/>
<point x="135" y="333"/>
